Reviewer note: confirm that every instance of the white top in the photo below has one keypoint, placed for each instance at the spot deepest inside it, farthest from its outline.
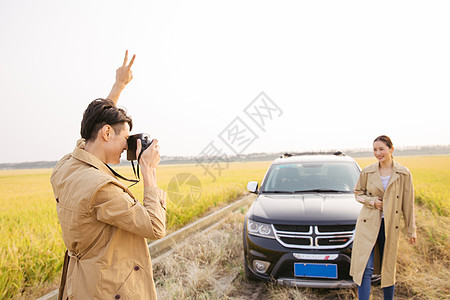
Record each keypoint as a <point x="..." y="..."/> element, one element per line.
<point x="385" y="181"/>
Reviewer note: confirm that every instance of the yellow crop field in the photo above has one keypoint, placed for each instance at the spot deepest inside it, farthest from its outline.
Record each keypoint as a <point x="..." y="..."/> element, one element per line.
<point x="31" y="248"/>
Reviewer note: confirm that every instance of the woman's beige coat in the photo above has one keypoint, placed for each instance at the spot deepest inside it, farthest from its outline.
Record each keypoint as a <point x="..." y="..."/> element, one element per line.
<point x="398" y="198"/>
<point x="104" y="229"/>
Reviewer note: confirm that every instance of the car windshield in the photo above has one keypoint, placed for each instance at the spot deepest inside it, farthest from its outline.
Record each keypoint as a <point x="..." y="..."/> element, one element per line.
<point x="311" y="177"/>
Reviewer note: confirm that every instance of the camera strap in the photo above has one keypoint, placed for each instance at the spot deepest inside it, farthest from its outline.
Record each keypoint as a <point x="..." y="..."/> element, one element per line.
<point x="123" y="178"/>
<point x="135" y="171"/>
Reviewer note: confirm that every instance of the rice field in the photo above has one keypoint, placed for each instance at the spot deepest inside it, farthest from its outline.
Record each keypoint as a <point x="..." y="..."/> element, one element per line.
<point x="31" y="249"/>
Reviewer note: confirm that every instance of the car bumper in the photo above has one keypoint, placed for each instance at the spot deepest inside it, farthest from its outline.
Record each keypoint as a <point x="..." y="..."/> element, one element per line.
<point x="330" y="284"/>
<point x="281" y="269"/>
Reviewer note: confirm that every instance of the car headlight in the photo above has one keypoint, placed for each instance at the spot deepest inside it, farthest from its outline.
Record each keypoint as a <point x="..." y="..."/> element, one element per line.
<point x="260" y="229"/>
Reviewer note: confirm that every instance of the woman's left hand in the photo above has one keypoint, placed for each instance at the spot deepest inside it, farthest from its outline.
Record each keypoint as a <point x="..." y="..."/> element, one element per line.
<point x="412" y="240"/>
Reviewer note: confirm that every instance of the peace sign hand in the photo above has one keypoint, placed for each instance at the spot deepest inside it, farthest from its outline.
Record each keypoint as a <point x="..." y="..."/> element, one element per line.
<point x="123" y="77"/>
<point x="124" y="74"/>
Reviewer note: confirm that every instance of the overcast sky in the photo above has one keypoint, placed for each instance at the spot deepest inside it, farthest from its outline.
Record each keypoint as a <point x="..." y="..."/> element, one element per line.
<point x="335" y="74"/>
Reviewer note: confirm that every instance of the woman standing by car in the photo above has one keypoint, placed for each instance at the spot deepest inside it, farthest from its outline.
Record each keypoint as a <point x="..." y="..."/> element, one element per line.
<point x="386" y="189"/>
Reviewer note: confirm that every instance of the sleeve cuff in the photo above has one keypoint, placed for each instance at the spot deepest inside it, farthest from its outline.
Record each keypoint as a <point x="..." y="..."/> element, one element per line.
<point x="155" y="193"/>
<point x="411" y="232"/>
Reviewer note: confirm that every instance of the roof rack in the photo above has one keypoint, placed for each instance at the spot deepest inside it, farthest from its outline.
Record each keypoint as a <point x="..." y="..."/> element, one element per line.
<point x="337" y="153"/>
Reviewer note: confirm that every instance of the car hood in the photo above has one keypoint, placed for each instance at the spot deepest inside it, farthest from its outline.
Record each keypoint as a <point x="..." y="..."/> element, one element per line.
<point x="320" y="208"/>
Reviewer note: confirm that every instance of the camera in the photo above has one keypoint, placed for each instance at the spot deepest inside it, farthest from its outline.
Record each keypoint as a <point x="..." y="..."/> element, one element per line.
<point x="132" y="144"/>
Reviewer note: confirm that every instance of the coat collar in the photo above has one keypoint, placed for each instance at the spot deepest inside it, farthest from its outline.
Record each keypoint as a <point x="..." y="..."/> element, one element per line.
<point x="86" y="157"/>
<point x="397" y="169"/>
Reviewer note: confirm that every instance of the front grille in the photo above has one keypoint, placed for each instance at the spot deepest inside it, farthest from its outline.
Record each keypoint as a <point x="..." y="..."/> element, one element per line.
<point x="293" y="228"/>
<point x="297" y="241"/>
<point x="333" y="241"/>
<point x="314" y="236"/>
<point x="335" y="228"/>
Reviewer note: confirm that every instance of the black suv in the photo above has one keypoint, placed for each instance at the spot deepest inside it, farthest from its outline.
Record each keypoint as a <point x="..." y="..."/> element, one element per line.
<point x="299" y="230"/>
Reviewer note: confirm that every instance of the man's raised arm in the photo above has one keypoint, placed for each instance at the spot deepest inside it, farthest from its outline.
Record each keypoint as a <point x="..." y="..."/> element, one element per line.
<point x="123" y="77"/>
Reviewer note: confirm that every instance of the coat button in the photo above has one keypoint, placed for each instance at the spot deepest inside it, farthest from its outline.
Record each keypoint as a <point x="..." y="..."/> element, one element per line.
<point x="136" y="268"/>
<point x="117" y="297"/>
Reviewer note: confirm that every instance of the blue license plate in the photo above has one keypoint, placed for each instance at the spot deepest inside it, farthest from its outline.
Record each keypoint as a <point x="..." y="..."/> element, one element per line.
<point x="315" y="270"/>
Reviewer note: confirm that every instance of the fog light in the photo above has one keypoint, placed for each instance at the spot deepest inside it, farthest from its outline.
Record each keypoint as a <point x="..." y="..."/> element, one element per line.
<point x="260" y="266"/>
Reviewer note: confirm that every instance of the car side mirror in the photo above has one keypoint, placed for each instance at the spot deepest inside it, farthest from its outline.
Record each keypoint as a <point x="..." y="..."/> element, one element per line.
<point x="252" y="187"/>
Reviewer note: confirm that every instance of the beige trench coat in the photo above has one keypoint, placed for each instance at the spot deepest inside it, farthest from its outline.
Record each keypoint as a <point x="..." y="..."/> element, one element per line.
<point x="398" y="197"/>
<point x="104" y="229"/>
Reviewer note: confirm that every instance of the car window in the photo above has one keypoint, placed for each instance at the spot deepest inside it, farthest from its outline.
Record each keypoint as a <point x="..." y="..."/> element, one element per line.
<point x="327" y="176"/>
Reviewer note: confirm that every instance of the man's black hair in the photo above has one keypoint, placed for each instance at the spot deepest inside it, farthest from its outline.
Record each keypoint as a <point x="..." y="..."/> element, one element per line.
<point x="99" y="113"/>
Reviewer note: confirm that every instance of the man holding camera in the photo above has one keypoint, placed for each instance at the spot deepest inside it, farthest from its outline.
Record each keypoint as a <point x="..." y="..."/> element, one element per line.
<point x="103" y="226"/>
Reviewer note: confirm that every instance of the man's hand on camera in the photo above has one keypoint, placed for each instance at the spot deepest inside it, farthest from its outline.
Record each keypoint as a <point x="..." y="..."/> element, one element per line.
<point x="123" y="77"/>
<point x="150" y="159"/>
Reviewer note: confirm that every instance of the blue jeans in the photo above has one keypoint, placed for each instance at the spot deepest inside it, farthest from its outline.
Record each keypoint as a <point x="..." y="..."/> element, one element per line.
<point x="364" y="289"/>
